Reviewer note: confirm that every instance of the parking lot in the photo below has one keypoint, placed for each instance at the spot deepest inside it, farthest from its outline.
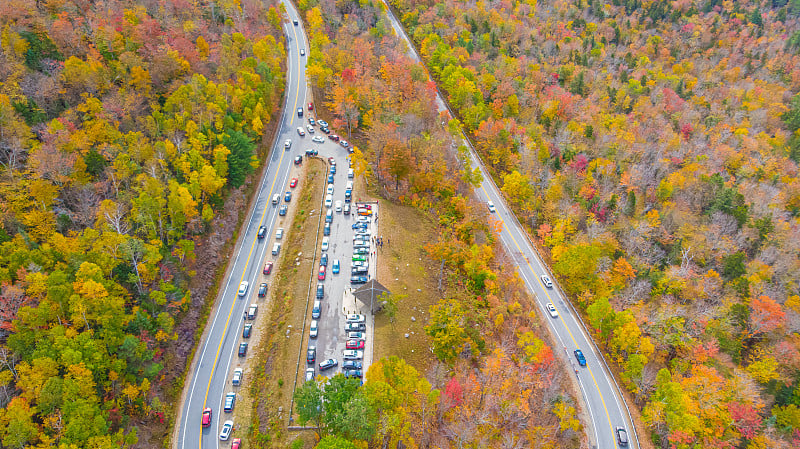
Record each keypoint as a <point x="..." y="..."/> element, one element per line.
<point x="346" y="239"/>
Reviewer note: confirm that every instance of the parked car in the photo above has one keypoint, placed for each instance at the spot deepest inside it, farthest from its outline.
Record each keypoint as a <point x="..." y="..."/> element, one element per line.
<point x="329" y="189"/>
<point x="355" y="327"/>
<point x="301" y="131"/>
<point x="278" y="233"/>
<point x="323" y="259"/>
<point x="326" y="230"/>
<point x="321" y="275"/>
<point x="262" y="232"/>
<point x="359" y="270"/>
<point x="310" y="374"/>
<point x="352" y="354"/>
<point x="227" y="428"/>
<point x="276" y="248"/>
<point x="313" y="329"/>
<point x="237" y="377"/>
<point x="206" y="421"/>
<point x="358" y="279"/>
<point x="242" y="349"/>
<point x="293" y="183"/>
<point x="310" y="106"/>
<point x="359" y="257"/>
<point x="320" y="291"/>
<point x="346" y="209"/>
<point x="351" y="364"/>
<point x="252" y="311"/>
<point x="230" y="401"/>
<point x="328" y="200"/>
<point x="237" y="443"/>
<point x="287" y="197"/>
<point x="325" y="243"/>
<point x="330" y="178"/>
<point x="359" y="225"/>
<point x="311" y="152"/>
<point x="324" y="129"/>
<point x="333" y="137"/>
<point x="333" y="170"/>
<point x="344" y="143"/>
<point x="335" y="268"/>
<point x="262" y="290"/>
<point x="247" y="330"/>
<point x="316" y="310"/>
<point x="311" y="121"/>
<point x="327" y="364"/>
<point x="310" y="129"/>
<point x="353" y="373"/>
<point x="268" y="268"/>
<point x="243" y="288"/>
<point x="580" y="357"/>
<point x="311" y="355"/>
<point x="318" y="139"/>
<point x="355" y="318"/>
<point x="360" y="264"/>
<point x="322" y="123"/>
<point x="546" y="281"/>
<point x="354" y="344"/>
<point x="282" y="211"/>
<point x="298" y="160"/>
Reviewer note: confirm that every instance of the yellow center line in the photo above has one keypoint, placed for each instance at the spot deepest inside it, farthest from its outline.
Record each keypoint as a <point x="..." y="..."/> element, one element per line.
<point x="249" y="255"/>
<point x="546" y="292"/>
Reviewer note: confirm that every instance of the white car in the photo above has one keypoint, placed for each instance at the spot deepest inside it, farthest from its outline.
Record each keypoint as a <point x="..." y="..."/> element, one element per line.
<point x="328" y="200"/>
<point x="330" y="189"/>
<point x="227" y="428"/>
<point x="324" y="243"/>
<point x="312" y="331"/>
<point x="310" y="129"/>
<point x="279" y="234"/>
<point x="546" y="281"/>
<point x="491" y="207"/>
<point x="301" y="131"/>
<point x="355" y="318"/>
<point x="551" y="309"/>
<point x="287" y="144"/>
<point x="309" y="374"/>
<point x="243" y="288"/>
<point x="352" y="354"/>
<point x="318" y="139"/>
<point x="237" y="377"/>
<point x="338" y="206"/>
<point x="302" y="52"/>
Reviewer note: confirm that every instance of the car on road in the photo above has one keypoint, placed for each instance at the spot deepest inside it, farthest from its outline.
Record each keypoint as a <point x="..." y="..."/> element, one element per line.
<point x="318" y="139"/>
<point x="267" y="268"/>
<point x="206" y="417"/>
<point x="323" y="260"/>
<point x="311" y="121"/>
<point x="287" y="144"/>
<point x="301" y="131"/>
<point x="321" y="275"/>
<point x="354" y="344"/>
<point x="243" y="288"/>
<point x="337" y="206"/>
<point x="237" y="377"/>
<point x="352" y="364"/>
<point x="325" y="241"/>
<point x="242" y="349"/>
<point x="247" y="330"/>
<point x="322" y="123"/>
<point x="237" y="443"/>
<point x="335" y="267"/>
<point x="546" y="281"/>
<point x="299" y="112"/>
<point x="287" y="197"/>
<point x="355" y="318"/>
<point x="346" y="209"/>
<point x="313" y="329"/>
<point x="579" y="356"/>
<point x="355" y="327"/>
<point x="282" y="211"/>
<point x="352" y="354"/>
<point x="622" y="436"/>
<point x="298" y="160"/>
<point x="354" y="373"/>
<point x="262" y="290"/>
<point x="359" y="257"/>
<point x="310" y="374"/>
<point x="230" y="401"/>
<point x="311" y="355"/>
<point x="227" y="428"/>
<point x="491" y="207"/>
<point x="262" y="232"/>
<point x="310" y="129"/>
<point x="302" y="52"/>
<point x="551" y="309"/>
<point x="358" y="279"/>
<point x="327" y="364"/>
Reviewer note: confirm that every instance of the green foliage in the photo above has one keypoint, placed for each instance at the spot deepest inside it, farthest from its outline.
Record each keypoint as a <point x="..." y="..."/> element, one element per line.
<point x="792" y="117"/>
<point x="334" y="442"/>
<point x="239" y="165"/>
<point x="40" y="47"/>
<point x="733" y="266"/>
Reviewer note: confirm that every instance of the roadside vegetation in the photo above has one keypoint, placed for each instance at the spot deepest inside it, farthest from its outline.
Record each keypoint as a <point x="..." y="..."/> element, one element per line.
<point x="127" y="129"/>
<point x="652" y="150"/>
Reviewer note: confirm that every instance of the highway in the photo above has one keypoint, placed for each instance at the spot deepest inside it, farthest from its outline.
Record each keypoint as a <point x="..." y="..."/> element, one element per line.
<point x="605" y="406"/>
<point x="216" y="357"/>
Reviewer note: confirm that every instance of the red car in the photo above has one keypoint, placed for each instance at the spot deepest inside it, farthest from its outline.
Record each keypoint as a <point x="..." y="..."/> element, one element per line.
<point x="206" y="417"/>
<point x="333" y="137"/>
<point x="311" y="106"/>
<point x="321" y="276"/>
<point x="332" y="161"/>
<point x="293" y="183"/>
<point x="268" y="268"/>
<point x="237" y="443"/>
<point x="354" y="344"/>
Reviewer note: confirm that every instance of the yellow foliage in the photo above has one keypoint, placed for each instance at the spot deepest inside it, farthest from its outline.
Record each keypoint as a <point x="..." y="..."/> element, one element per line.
<point x="653" y="218"/>
<point x="764" y="370"/>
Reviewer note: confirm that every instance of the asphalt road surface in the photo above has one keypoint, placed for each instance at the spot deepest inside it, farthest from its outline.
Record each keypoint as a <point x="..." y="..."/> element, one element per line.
<point x="210" y="378"/>
<point x="606" y="407"/>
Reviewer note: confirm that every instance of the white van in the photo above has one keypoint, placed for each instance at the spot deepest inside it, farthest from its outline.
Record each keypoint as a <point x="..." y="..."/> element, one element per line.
<point x="349" y="185"/>
<point x="350" y="174"/>
<point x="276" y="199"/>
<point x="276" y="248"/>
<point x="279" y="234"/>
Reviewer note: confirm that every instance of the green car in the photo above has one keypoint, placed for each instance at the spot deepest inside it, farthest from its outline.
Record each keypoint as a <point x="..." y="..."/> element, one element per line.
<point x="359" y="257"/>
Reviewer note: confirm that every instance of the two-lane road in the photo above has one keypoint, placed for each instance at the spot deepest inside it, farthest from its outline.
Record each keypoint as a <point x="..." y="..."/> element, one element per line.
<point x="209" y="380"/>
<point x="606" y="407"/>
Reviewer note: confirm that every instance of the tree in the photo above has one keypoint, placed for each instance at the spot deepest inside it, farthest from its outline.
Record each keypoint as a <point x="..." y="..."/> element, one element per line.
<point x="239" y="160"/>
<point x="335" y="442"/>
<point x="309" y="405"/>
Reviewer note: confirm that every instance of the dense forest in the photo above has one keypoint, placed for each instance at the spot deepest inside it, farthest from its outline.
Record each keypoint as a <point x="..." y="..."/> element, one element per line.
<point x="652" y="149"/>
<point x="124" y="126"/>
<point x="495" y="381"/>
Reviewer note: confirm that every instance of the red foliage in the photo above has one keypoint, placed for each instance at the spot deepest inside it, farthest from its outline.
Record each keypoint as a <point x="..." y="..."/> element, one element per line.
<point x="745" y="418"/>
<point x="672" y="102"/>
<point x="579" y="163"/>
<point x="454" y="391"/>
<point x="767" y="315"/>
<point x="686" y="131"/>
<point x="12" y="298"/>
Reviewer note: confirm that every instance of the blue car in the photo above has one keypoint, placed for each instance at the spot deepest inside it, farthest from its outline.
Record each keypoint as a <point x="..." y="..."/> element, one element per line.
<point x="323" y="260"/>
<point x="333" y="170"/>
<point x="361" y="280"/>
<point x="360" y="225"/>
<point x="330" y="178"/>
<point x="580" y="357"/>
<point x="335" y="269"/>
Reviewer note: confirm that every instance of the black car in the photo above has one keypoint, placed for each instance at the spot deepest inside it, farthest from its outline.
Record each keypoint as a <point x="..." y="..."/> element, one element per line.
<point x="311" y="355"/>
<point x="327" y="364"/>
<point x="295" y="22"/>
<point x="262" y="290"/>
<point x="312" y="152"/>
<point x="352" y="364"/>
<point x="299" y="112"/>
<point x="262" y="232"/>
<point x="248" y="329"/>
<point x="287" y="197"/>
<point x="355" y="373"/>
<point x="320" y="291"/>
<point x="298" y="160"/>
<point x="358" y="279"/>
<point x="242" y="349"/>
<point x="324" y="260"/>
<point x="283" y="209"/>
<point x="326" y="231"/>
<point x="355" y="327"/>
<point x="324" y="129"/>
